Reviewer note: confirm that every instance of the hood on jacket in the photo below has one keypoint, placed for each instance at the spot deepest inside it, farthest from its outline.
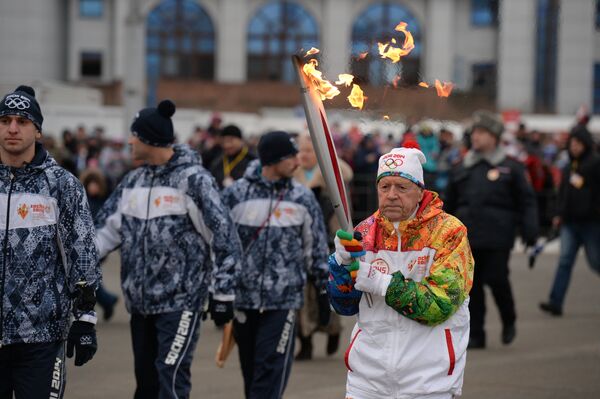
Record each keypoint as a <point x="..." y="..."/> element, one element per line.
<point x="253" y="174"/>
<point x="582" y="134"/>
<point x="183" y="155"/>
<point x="41" y="160"/>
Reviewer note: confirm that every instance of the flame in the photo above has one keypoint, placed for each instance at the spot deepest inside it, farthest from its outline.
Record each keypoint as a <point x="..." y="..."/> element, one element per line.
<point x="362" y="56"/>
<point x="324" y="87"/>
<point x="443" y="90"/>
<point x="312" y="51"/>
<point x="345" y="79"/>
<point x="424" y="84"/>
<point x="396" y="81"/>
<point x="394" y="53"/>
<point x="356" y="97"/>
<point x="385" y="117"/>
<point x="409" y="42"/>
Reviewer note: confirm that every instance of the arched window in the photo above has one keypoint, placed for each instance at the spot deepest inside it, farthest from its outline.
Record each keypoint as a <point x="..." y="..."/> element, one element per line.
<point x="180" y="43"/>
<point x="277" y="31"/>
<point x="376" y="24"/>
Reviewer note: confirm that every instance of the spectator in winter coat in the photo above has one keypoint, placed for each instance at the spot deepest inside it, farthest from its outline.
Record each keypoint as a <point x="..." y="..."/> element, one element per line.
<point x="283" y="236"/>
<point x="49" y="261"/>
<point x="234" y="160"/>
<point x="490" y="194"/>
<point x="309" y="174"/>
<point x="411" y="341"/>
<point x="175" y="236"/>
<point x="578" y="214"/>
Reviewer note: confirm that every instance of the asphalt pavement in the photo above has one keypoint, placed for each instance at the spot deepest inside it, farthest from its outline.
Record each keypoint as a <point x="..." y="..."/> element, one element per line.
<point x="551" y="358"/>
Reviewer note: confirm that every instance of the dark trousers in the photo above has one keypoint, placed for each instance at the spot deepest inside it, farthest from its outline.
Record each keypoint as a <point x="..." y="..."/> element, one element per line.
<point x="32" y="371"/>
<point x="266" y="349"/>
<point x="491" y="268"/>
<point x="163" y="349"/>
<point x="572" y="237"/>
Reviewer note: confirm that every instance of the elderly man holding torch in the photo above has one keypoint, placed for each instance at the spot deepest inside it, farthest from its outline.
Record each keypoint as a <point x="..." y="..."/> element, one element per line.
<point x="415" y="261"/>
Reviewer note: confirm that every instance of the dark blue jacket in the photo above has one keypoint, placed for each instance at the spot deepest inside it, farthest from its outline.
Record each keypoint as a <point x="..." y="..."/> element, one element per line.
<point x="47" y="238"/>
<point x="173" y="230"/>
<point x="283" y="237"/>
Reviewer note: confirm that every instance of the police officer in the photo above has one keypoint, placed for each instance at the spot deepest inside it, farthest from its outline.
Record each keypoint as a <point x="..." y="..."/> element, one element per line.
<point x="490" y="194"/>
<point x="49" y="262"/>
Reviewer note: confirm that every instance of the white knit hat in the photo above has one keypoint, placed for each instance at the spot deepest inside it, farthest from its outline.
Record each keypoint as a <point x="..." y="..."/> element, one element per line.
<point x="403" y="162"/>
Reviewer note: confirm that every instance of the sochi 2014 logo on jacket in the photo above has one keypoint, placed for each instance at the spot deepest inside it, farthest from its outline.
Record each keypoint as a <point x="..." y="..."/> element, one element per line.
<point x="381" y="265"/>
<point x="22" y="210"/>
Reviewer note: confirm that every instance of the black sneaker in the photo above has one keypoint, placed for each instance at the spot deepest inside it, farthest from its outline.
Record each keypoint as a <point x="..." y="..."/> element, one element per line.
<point x="333" y="343"/>
<point x="508" y="334"/>
<point x="476" y="343"/>
<point x="551" y="308"/>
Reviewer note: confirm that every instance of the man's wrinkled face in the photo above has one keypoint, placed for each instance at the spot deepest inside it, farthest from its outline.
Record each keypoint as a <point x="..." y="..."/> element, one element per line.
<point x="398" y="197"/>
<point x="17" y="134"/>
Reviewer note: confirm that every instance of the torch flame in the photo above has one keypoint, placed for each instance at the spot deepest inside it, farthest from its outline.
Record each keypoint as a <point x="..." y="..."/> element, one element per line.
<point x="345" y="79"/>
<point x="424" y="84"/>
<point x="394" y="53"/>
<point x="312" y="51"/>
<point x="385" y="117"/>
<point x="324" y="87"/>
<point x="356" y="97"/>
<point x="443" y="90"/>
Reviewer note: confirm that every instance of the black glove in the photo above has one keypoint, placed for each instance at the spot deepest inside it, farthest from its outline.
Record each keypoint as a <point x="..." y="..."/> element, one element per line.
<point x="324" y="309"/>
<point x="220" y="311"/>
<point x="82" y="341"/>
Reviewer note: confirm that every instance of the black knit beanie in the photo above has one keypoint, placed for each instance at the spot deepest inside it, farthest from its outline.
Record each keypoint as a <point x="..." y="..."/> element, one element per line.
<point x="22" y="102"/>
<point x="231" y="130"/>
<point x="153" y="126"/>
<point x="276" y="146"/>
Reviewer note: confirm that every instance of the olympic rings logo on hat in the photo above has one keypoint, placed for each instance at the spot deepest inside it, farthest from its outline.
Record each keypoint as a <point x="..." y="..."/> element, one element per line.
<point x="392" y="163"/>
<point x="18" y="102"/>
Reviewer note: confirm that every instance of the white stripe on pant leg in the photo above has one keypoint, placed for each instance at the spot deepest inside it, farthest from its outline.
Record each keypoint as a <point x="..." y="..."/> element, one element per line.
<point x="184" y="352"/>
<point x="290" y="319"/>
<point x="57" y="382"/>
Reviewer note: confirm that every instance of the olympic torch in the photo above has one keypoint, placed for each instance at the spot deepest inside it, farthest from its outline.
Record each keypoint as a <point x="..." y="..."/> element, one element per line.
<point x="325" y="150"/>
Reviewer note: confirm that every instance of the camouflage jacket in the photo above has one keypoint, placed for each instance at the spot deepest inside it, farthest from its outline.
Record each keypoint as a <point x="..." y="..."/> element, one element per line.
<point x="175" y="236"/>
<point x="47" y="237"/>
<point x="283" y="236"/>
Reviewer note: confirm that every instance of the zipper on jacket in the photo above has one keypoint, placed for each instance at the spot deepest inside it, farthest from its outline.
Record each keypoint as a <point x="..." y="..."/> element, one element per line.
<point x="262" y="273"/>
<point x="144" y="242"/>
<point x="4" y="259"/>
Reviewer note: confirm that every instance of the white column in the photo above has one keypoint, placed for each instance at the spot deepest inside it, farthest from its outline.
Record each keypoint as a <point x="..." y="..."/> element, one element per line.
<point x="516" y="54"/>
<point x="575" y="76"/>
<point x="439" y="34"/>
<point x="335" y="37"/>
<point x="134" y="73"/>
<point x="230" y="28"/>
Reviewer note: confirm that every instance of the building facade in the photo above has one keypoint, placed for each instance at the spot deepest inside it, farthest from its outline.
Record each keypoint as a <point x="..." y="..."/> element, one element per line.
<point x="532" y="55"/>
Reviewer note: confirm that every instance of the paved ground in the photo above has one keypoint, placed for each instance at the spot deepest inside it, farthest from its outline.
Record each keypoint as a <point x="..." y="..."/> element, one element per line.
<point x="551" y="357"/>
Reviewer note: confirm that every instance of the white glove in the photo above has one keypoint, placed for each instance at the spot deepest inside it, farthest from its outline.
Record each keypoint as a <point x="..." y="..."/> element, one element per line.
<point x="342" y="257"/>
<point x="369" y="279"/>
